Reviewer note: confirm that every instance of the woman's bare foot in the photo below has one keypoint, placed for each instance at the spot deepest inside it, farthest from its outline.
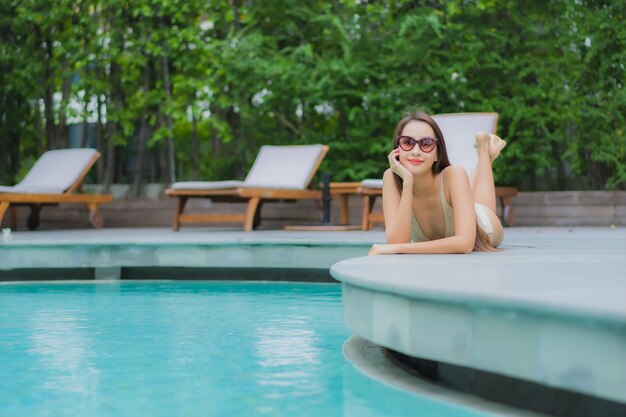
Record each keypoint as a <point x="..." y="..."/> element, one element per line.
<point x="482" y="142"/>
<point x="496" y="144"/>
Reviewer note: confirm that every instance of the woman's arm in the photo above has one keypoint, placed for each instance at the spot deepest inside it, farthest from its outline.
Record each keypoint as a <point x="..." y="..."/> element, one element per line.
<point x="462" y="201"/>
<point x="450" y="244"/>
<point x="461" y="198"/>
<point x="397" y="209"/>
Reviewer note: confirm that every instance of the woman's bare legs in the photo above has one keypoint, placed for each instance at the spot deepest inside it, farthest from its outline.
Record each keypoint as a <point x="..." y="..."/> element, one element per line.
<point x="481" y="180"/>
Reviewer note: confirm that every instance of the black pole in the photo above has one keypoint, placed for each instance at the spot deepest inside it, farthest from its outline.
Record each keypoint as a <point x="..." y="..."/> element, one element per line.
<point x="326" y="198"/>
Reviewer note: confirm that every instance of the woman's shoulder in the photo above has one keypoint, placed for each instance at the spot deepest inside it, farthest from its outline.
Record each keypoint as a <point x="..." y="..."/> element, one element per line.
<point x="453" y="171"/>
<point x="388" y="178"/>
<point x="454" y="176"/>
<point x="389" y="182"/>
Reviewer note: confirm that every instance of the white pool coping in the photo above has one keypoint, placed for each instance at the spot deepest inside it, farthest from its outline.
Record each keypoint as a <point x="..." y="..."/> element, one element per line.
<point x="189" y="248"/>
<point x="550" y="308"/>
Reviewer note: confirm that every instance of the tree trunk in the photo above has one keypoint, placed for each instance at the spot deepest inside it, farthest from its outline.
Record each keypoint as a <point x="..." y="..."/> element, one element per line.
<point x="195" y="150"/>
<point x="109" y="169"/>
<point x="153" y="166"/>
<point x="561" y="176"/>
<point x="39" y="129"/>
<point x="113" y="106"/>
<point x="62" y="130"/>
<point x="13" y="104"/>
<point x="14" y="152"/>
<point x="84" y="140"/>
<point x="168" y="117"/>
<point x="99" y="133"/>
<point x="216" y="148"/>
<point x="163" y="156"/>
<point x="90" y="74"/>
<point x="5" y="153"/>
<point x="120" y="156"/>
<point x="48" y="98"/>
<point x="235" y="4"/>
<point x="133" y="191"/>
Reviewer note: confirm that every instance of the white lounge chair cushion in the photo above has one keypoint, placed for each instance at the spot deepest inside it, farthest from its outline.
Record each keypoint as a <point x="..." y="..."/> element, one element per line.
<point x="54" y="172"/>
<point x="371" y="183"/>
<point x="206" y="185"/>
<point x="459" y="130"/>
<point x="284" y="167"/>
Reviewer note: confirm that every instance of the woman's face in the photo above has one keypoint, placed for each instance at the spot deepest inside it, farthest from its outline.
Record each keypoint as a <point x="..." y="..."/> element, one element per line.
<point x="416" y="160"/>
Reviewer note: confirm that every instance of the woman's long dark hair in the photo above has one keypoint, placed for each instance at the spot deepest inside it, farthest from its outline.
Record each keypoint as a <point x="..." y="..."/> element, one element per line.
<point x="442" y="154"/>
<point x="482" y="242"/>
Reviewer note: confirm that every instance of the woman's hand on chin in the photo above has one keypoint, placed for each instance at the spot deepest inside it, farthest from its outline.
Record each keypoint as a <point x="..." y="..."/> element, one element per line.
<point x="396" y="166"/>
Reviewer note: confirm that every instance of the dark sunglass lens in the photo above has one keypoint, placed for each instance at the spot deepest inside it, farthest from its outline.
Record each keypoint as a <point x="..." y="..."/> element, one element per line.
<point x="427" y="144"/>
<point x="407" y="143"/>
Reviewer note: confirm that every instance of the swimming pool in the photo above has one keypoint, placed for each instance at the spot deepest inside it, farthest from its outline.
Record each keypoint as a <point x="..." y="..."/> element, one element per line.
<point x="186" y="348"/>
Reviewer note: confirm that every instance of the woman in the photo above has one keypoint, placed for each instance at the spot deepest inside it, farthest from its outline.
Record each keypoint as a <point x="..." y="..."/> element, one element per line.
<point x="431" y="206"/>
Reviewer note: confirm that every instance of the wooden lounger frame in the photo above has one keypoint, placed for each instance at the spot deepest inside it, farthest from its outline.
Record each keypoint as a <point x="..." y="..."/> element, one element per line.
<point x="369" y="217"/>
<point x="255" y="197"/>
<point x="37" y="201"/>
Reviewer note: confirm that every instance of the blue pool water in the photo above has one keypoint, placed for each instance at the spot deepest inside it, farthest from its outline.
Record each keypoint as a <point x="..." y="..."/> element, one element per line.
<point x="185" y="349"/>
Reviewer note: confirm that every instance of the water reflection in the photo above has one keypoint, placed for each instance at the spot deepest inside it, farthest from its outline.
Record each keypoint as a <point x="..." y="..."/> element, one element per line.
<point x="364" y="396"/>
<point x="286" y="351"/>
<point x="198" y="349"/>
<point x="60" y="345"/>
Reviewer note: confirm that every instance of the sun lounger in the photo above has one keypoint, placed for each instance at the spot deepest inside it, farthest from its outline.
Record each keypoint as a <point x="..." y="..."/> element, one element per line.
<point x="278" y="173"/>
<point x="55" y="178"/>
<point x="458" y="130"/>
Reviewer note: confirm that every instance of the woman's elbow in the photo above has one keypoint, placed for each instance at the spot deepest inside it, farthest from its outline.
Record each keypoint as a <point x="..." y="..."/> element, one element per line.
<point x="465" y="246"/>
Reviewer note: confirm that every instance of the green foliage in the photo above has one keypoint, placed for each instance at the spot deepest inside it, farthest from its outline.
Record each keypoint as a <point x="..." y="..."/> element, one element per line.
<point x="231" y="76"/>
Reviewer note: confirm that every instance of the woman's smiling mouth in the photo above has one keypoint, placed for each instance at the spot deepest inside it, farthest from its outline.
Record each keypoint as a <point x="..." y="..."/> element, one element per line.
<point x="414" y="161"/>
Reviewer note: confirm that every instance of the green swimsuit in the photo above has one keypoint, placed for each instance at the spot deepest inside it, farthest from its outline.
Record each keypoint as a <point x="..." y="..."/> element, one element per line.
<point x="448" y="212"/>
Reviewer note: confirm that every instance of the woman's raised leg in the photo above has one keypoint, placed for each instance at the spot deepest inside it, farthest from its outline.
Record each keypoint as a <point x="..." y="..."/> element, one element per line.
<point x="481" y="180"/>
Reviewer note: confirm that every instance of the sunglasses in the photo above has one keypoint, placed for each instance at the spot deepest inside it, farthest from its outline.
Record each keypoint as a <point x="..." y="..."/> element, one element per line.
<point x="426" y="144"/>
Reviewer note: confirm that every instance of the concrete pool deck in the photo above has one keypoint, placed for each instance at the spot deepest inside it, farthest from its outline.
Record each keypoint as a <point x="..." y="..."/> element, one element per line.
<point x="550" y="308"/>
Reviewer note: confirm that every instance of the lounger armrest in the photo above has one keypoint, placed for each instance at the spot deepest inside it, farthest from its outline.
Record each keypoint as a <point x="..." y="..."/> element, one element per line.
<point x="205" y="185"/>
